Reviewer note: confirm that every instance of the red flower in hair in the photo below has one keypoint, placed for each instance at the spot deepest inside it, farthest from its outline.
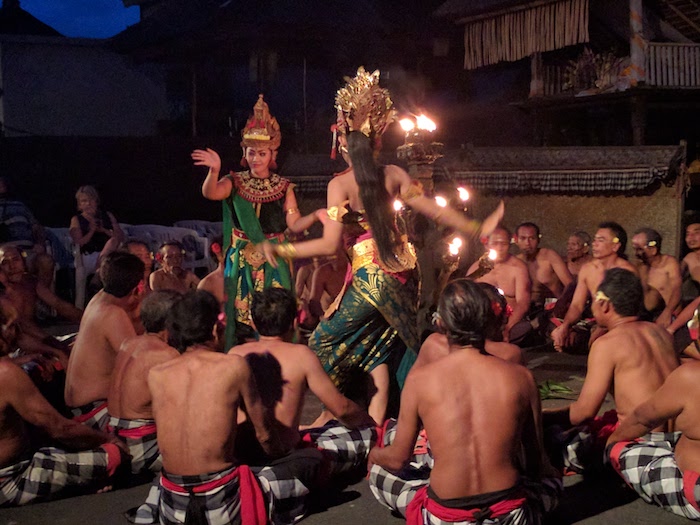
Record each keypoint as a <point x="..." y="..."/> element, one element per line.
<point x="159" y="257"/>
<point x="496" y="307"/>
<point x="216" y="248"/>
<point x="509" y="310"/>
<point x="484" y="240"/>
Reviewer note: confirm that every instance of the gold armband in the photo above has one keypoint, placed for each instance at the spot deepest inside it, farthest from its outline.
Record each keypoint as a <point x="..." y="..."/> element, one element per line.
<point x="292" y="211"/>
<point x="286" y="250"/>
<point x="414" y="190"/>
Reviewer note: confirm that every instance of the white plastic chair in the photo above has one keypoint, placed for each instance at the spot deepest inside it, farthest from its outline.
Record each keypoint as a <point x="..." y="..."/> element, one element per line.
<point x="84" y="265"/>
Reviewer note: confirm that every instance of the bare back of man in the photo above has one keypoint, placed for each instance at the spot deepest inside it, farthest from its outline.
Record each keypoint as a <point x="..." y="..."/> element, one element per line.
<point x="639" y="355"/>
<point x="461" y="426"/>
<point x="103" y="329"/>
<point x="195" y="401"/>
<point x="129" y="397"/>
<point x="436" y="347"/>
<point x="213" y="283"/>
<point x="301" y="371"/>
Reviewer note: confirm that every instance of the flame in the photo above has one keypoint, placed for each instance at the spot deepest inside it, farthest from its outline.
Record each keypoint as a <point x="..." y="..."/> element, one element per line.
<point x="407" y="124"/>
<point x="441" y="201"/>
<point x="493" y="254"/>
<point x="398" y="205"/>
<point x="454" y="248"/>
<point x="425" y="123"/>
<point x="463" y="194"/>
<point x="457" y="242"/>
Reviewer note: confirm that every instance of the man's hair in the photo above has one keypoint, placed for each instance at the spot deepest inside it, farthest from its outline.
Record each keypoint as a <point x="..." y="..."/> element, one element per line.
<point x="624" y="289"/>
<point x="464" y="310"/>
<point x="191" y="320"/>
<point x="90" y="191"/>
<point x="176" y="244"/>
<point x="136" y="242"/>
<point x="582" y="236"/>
<point x="502" y="228"/>
<point x="498" y="312"/>
<point x="652" y="236"/>
<point x="155" y="308"/>
<point x="619" y="232"/>
<point x="121" y="272"/>
<point x="691" y="218"/>
<point x="273" y="311"/>
<point x="528" y="225"/>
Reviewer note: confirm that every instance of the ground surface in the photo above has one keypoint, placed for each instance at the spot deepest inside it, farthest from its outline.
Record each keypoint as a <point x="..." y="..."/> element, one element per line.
<point x="589" y="502"/>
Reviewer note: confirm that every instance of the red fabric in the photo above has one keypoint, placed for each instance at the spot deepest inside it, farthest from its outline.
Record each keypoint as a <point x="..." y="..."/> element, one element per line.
<point x="114" y="457"/>
<point x="242" y="235"/>
<point x="84" y="417"/>
<point x="615" y="454"/>
<point x="690" y="479"/>
<point x="421" y="443"/>
<point x="253" y="511"/>
<point x="136" y="433"/>
<point x="420" y="501"/>
<point x="603" y="426"/>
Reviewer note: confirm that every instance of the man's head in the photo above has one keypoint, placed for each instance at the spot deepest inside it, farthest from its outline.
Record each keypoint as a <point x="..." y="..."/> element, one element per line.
<point x="527" y="235"/>
<point x="273" y="311"/>
<point x="141" y="250"/>
<point x="692" y="233"/>
<point x="498" y="315"/>
<point x="193" y="321"/>
<point x="611" y="238"/>
<point x="619" y="295"/>
<point x="121" y="274"/>
<point x="463" y="313"/>
<point x="12" y="262"/>
<point x="578" y="245"/>
<point x="646" y="243"/>
<point x="499" y="241"/>
<point x="172" y="254"/>
<point x="155" y="308"/>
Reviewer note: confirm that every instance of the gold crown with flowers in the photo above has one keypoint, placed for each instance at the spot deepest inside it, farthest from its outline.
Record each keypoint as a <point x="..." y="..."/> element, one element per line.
<point x="363" y="105"/>
<point x="262" y="129"/>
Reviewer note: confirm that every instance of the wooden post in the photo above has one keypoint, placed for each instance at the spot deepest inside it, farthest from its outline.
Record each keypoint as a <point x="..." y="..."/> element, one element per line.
<point x="637" y="43"/>
<point x="536" y="81"/>
<point x="638" y="119"/>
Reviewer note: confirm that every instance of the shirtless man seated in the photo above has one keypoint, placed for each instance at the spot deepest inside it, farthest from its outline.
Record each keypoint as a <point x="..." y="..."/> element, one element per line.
<point x="105" y="326"/>
<point x="347" y="444"/>
<point x="631" y="361"/>
<point x="326" y="283"/>
<point x="690" y="266"/>
<point x="213" y="282"/>
<point x="480" y="468"/>
<point x="437" y="346"/>
<point x="609" y="246"/>
<point x="578" y="252"/>
<point x="129" y="400"/>
<point x="660" y="275"/>
<point x="171" y="275"/>
<point x="663" y="468"/>
<point x="510" y="274"/>
<point x="25" y="290"/>
<point x="29" y="474"/>
<point x="195" y="402"/>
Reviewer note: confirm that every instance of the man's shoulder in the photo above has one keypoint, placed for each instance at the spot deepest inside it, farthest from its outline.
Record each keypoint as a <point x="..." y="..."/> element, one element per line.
<point x="669" y="260"/>
<point x="517" y="263"/>
<point x="550" y="255"/>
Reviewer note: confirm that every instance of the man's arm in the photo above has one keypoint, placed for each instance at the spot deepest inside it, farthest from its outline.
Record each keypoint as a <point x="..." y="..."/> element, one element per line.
<point x="666" y="403"/>
<point x="346" y="411"/>
<point x="685" y="316"/>
<point x="522" y="295"/>
<point x="596" y="385"/>
<point x="394" y="456"/>
<point x="63" y="308"/>
<point x="118" y="328"/>
<point x="26" y="399"/>
<point x="573" y="314"/>
<point x="560" y="269"/>
<point x="675" y="282"/>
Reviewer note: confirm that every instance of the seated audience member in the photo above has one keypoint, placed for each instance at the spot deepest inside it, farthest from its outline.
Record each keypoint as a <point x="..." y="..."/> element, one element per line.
<point x="19" y="228"/>
<point x="105" y="326"/>
<point x="94" y="230"/>
<point x="195" y="401"/>
<point x="346" y="446"/>
<point x="326" y="283"/>
<point x="303" y="278"/>
<point x="171" y="275"/>
<point x="479" y="470"/>
<point x="630" y="362"/>
<point x="690" y="265"/>
<point x="578" y="252"/>
<point x="510" y="274"/>
<point x="660" y="275"/>
<point x="24" y="291"/>
<point x="437" y="346"/>
<point x="608" y="252"/>
<point x="213" y="282"/>
<point x="663" y="468"/>
<point x="129" y="400"/>
<point x="29" y="474"/>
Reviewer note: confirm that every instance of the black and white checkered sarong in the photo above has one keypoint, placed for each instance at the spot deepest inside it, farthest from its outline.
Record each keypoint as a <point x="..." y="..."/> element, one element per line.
<point x="48" y="472"/>
<point x="648" y="465"/>
<point x="93" y="415"/>
<point x="345" y="450"/>
<point x="397" y="490"/>
<point x="140" y="436"/>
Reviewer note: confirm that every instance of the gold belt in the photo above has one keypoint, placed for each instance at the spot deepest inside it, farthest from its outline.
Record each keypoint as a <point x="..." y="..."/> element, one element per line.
<point x="363" y="253"/>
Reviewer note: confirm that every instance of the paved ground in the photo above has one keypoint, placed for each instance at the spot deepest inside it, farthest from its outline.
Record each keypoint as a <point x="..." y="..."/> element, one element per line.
<point x="590" y="502"/>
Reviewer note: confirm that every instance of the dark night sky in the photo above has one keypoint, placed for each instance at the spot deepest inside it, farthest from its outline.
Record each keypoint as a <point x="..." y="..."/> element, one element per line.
<point x="83" y="18"/>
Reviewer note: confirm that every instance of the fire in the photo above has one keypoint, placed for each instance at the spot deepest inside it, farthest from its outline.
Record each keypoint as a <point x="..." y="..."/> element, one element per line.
<point x="398" y="205"/>
<point x="463" y="194"/>
<point x="441" y="201"/>
<point x="493" y="255"/>
<point x="457" y="242"/>
<point x="425" y="123"/>
<point x="407" y="124"/>
<point x="454" y="249"/>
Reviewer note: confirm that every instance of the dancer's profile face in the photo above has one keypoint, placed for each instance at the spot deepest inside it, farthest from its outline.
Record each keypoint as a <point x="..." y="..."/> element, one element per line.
<point x="259" y="160"/>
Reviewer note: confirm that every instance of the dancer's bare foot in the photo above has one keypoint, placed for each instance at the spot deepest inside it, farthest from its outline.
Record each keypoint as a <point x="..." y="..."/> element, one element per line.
<point x="493" y="220"/>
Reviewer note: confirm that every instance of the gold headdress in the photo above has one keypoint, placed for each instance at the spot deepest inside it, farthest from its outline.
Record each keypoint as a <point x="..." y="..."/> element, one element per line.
<point x="363" y="105"/>
<point x="262" y="129"/>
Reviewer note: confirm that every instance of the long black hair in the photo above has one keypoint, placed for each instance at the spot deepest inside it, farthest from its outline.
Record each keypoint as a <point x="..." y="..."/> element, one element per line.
<point x="375" y="198"/>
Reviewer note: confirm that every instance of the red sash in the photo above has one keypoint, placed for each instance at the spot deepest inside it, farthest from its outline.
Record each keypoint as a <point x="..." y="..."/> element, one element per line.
<point x="420" y="501"/>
